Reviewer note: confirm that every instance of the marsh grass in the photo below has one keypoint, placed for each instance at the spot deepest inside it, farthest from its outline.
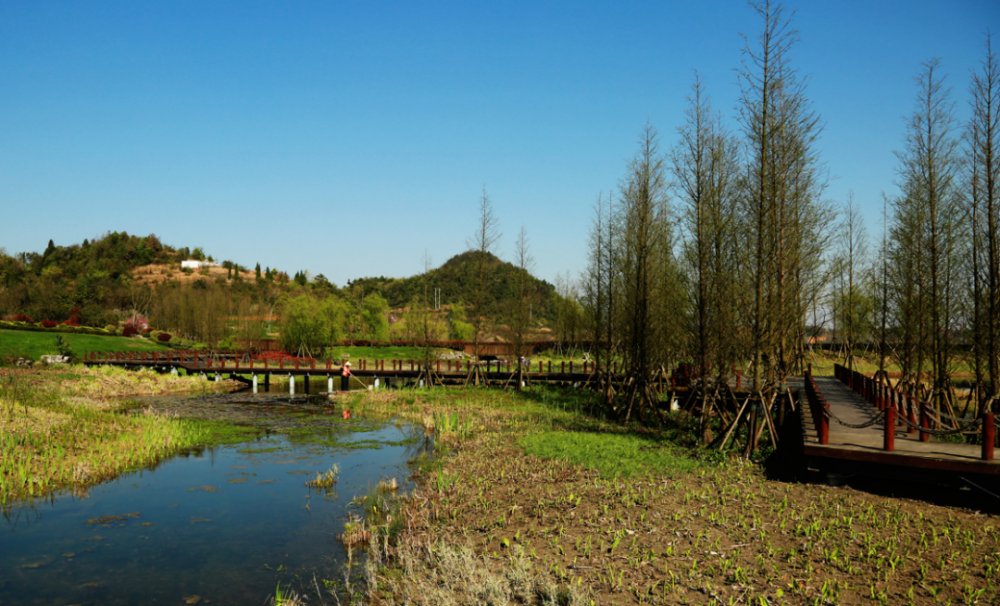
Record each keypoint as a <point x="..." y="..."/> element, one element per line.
<point x="613" y="455"/>
<point x="53" y="438"/>
<point x="326" y="480"/>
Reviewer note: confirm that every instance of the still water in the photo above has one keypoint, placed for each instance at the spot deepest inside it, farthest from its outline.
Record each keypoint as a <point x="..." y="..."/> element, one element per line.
<point x="221" y="526"/>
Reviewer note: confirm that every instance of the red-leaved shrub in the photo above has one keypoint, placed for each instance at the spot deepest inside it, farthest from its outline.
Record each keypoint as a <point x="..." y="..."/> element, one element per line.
<point x="49" y="324"/>
<point x="164" y="337"/>
<point x="22" y="318"/>
<point x="129" y="331"/>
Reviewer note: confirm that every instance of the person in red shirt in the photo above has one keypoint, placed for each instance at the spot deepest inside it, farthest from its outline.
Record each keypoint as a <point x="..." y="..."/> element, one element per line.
<point x="345" y="377"/>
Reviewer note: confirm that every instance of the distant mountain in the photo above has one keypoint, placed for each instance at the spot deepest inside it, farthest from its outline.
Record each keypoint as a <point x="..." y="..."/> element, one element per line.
<point x="456" y="279"/>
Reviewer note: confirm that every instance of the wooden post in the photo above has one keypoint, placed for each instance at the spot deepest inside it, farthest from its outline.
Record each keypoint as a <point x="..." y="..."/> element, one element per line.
<point x="571" y="366"/>
<point x="540" y="366"/>
<point x="439" y="366"/>
<point x="824" y="423"/>
<point x="265" y="363"/>
<point x="889" y="437"/>
<point x="989" y="436"/>
<point x="912" y="418"/>
<point x="563" y="368"/>
<point x="281" y="364"/>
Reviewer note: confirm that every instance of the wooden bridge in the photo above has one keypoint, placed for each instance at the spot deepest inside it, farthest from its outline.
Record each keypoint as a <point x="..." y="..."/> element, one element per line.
<point x="376" y="373"/>
<point x="853" y="423"/>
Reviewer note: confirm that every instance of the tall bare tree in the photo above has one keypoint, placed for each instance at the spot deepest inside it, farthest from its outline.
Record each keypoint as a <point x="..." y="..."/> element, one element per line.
<point x="649" y="275"/>
<point x="983" y="194"/>
<point x="784" y="212"/>
<point x="601" y="286"/>
<point x="928" y="228"/>
<point x="851" y="301"/>
<point x="705" y="170"/>
<point x="520" y="307"/>
<point x="481" y="309"/>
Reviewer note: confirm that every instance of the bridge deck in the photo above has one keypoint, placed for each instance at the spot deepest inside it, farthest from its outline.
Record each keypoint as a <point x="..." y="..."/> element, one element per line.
<point x="866" y="444"/>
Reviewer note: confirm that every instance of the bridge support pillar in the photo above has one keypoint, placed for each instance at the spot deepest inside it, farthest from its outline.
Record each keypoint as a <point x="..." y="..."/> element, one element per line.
<point x="329" y="384"/>
<point x="218" y="378"/>
<point x="376" y="382"/>
<point x="267" y="381"/>
<point x="291" y="385"/>
<point x="255" y="384"/>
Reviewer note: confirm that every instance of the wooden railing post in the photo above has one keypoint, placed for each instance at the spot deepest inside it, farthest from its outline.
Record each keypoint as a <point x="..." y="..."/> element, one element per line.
<point x="889" y="437"/>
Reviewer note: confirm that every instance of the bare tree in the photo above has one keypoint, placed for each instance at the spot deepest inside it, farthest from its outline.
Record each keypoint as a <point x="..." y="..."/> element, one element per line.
<point x="520" y="307"/>
<point x="851" y="302"/>
<point x="928" y="228"/>
<point x="983" y="194"/>
<point x="649" y="274"/>
<point x="786" y="219"/>
<point x="482" y="308"/>
<point x="705" y="172"/>
<point x="601" y="284"/>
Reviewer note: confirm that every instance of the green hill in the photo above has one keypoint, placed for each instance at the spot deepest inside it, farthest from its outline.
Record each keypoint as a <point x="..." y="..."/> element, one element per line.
<point x="456" y="280"/>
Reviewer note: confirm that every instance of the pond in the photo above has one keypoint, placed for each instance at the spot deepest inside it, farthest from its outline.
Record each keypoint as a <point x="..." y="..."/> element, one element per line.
<point x="218" y="526"/>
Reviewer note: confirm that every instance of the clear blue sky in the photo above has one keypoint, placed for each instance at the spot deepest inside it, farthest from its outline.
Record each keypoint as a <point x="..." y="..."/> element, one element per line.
<point x="348" y="138"/>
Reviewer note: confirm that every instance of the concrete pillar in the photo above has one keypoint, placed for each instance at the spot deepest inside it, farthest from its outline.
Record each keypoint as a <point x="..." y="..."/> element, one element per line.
<point x="291" y="385"/>
<point x="217" y="378"/>
<point x="376" y="382"/>
<point x="329" y="384"/>
<point x="255" y="384"/>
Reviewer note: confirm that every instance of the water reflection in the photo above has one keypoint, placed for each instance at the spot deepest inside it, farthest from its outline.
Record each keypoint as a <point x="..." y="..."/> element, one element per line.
<point x="222" y="525"/>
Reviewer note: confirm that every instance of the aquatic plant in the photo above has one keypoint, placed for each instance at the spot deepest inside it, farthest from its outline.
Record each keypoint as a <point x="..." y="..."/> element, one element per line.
<point x="326" y="480"/>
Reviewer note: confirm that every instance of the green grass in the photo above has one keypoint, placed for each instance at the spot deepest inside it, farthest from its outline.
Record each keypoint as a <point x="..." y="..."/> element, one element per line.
<point x="613" y="455"/>
<point x="380" y="353"/>
<point x="34" y="345"/>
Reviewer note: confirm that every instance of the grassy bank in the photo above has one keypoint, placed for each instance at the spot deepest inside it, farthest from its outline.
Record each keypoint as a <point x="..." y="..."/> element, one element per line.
<point x="68" y="428"/>
<point x="33" y="345"/>
<point x="534" y="502"/>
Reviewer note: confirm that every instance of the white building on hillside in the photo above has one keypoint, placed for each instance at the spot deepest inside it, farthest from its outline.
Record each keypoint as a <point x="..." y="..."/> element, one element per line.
<point x="192" y="264"/>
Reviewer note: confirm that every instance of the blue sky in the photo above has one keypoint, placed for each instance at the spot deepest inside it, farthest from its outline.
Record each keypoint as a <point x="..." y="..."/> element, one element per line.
<point x="348" y="138"/>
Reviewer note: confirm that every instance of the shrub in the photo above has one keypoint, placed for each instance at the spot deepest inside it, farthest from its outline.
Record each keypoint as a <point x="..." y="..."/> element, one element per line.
<point x="22" y="318"/>
<point x="129" y="331"/>
<point x="164" y="337"/>
<point x="48" y="324"/>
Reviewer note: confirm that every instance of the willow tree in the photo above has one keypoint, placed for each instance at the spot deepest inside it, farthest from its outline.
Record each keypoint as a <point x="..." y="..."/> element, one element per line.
<point x="927" y="222"/>
<point x="705" y="169"/>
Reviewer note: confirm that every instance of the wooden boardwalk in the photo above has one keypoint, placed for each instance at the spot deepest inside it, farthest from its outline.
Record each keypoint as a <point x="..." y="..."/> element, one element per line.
<point x="867" y="444"/>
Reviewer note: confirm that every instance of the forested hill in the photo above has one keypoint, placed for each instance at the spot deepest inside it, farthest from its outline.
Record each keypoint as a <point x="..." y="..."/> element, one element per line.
<point x="457" y="281"/>
<point x="94" y="275"/>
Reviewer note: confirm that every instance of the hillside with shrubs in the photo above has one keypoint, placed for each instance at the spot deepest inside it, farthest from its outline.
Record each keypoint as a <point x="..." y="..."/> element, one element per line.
<point x="126" y="285"/>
